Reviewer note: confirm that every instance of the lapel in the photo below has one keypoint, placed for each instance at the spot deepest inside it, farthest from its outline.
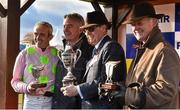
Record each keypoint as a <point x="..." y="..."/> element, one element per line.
<point x="105" y="39"/>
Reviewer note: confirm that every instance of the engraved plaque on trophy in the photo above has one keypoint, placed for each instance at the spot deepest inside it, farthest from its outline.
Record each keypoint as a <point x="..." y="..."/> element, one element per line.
<point x="36" y="71"/>
<point x="69" y="57"/>
<point x="109" y="84"/>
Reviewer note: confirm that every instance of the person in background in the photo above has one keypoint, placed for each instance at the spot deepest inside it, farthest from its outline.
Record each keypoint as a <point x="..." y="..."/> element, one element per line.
<point x="152" y="80"/>
<point x="28" y="40"/>
<point x="75" y="37"/>
<point x="34" y="69"/>
<point x="105" y="50"/>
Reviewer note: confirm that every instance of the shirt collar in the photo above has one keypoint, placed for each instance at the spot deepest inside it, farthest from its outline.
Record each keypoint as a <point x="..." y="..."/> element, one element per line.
<point x="97" y="45"/>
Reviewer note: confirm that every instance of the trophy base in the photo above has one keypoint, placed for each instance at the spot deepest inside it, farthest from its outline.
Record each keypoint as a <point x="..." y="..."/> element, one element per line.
<point x="109" y="87"/>
<point x="39" y="85"/>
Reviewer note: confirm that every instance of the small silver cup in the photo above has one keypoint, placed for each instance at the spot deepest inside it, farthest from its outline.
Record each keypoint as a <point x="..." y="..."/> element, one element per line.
<point x="110" y="85"/>
<point x="36" y="71"/>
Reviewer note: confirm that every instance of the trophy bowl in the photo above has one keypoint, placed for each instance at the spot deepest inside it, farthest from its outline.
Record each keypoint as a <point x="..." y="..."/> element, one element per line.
<point x="69" y="58"/>
<point x="36" y="71"/>
<point x="109" y="85"/>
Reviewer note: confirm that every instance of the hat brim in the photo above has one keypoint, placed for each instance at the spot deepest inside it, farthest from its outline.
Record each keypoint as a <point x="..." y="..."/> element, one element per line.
<point x="88" y="25"/>
<point x="132" y="20"/>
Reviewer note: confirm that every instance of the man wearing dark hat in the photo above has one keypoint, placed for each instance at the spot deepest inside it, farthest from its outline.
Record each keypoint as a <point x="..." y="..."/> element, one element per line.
<point x="105" y="50"/>
<point x="152" y="80"/>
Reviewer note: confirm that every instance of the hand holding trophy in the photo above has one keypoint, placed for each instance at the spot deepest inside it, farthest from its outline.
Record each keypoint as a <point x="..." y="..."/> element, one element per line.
<point x="109" y="85"/>
<point x="69" y="57"/>
<point x="36" y="71"/>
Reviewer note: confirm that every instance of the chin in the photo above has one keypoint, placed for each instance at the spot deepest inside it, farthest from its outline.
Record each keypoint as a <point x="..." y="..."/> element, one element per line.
<point x="91" y="43"/>
<point x="38" y="45"/>
<point x="138" y="37"/>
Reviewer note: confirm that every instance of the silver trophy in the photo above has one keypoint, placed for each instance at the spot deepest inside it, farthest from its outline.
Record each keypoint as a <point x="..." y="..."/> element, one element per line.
<point x="69" y="57"/>
<point x="110" y="85"/>
<point x="36" y="71"/>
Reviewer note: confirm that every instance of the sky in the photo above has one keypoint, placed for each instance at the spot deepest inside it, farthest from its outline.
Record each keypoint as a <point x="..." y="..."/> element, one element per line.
<point x="52" y="11"/>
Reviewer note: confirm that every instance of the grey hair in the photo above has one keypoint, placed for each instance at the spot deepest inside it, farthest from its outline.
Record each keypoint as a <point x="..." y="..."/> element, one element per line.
<point x="75" y="16"/>
<point x="48" y="25"/>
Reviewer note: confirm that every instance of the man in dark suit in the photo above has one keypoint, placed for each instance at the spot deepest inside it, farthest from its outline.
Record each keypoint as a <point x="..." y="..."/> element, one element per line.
<point x="105" y="50"/>
<point x="74" y="37"/>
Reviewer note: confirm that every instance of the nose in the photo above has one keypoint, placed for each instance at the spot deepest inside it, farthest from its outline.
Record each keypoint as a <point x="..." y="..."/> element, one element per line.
<point x="135" y="27"/>
<point x="65" y="28"/>
<point x="88" y="32"/>
<point x="38" y="36"/>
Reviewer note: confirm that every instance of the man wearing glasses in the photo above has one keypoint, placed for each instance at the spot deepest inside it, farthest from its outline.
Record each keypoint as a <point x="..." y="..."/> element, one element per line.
<point x="105" y="50"/>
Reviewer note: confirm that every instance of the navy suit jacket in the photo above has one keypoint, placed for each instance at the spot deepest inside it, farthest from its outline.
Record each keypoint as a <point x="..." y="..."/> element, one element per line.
<point x="108" y="50"/>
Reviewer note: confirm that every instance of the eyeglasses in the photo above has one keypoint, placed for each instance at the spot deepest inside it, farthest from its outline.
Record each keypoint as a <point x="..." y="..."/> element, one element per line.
<point x="91" y="29"/>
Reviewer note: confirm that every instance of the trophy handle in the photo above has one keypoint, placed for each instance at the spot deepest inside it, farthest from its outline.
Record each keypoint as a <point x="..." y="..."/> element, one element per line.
<point x="59" y="54"/>
<point x="78" y="55"/>
<point x="60" y="57"/>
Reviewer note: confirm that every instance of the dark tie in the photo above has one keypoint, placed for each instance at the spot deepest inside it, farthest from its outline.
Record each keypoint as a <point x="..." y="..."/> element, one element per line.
<point x="94" y="51"/>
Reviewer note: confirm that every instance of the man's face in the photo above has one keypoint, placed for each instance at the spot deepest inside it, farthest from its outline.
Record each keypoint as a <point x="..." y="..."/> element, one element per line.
<point x="71" y="29"/>
<point x="142" y="28"/>
<point x="95" y="33"/>
<point x="41" y="36"/>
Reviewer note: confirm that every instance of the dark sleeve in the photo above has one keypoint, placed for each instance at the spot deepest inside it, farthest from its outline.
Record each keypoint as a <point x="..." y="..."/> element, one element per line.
<point x="59" y="101"/>
<point x="80" y="66"/>
<point x="114" y="52"/>
<point x="111" y="52"/>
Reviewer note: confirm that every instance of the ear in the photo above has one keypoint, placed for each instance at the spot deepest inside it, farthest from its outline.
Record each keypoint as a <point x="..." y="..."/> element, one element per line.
<point x="103" y="27"/>
<point x="154" y="21"/>
<point x="50" y="37"/>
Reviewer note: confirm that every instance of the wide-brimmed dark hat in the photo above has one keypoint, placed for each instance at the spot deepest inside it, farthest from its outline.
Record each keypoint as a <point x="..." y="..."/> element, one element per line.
<point x="95" y="18"/>
<point x="141" y="10"/>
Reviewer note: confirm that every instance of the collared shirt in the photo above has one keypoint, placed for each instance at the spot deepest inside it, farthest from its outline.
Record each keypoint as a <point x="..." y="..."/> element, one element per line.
<point x="32" y="56"/>
<point x="97" y="45"/>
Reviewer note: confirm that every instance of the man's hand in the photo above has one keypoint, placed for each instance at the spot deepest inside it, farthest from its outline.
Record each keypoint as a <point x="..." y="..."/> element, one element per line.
<point x="70" y="90"/>
<point x="119" y="94"/>
<point x="31" y="87"/>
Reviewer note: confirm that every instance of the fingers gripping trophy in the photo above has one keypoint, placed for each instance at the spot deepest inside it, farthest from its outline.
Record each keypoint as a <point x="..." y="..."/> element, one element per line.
<point x="109" y="85"/>
<point x="69" y="57"/>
